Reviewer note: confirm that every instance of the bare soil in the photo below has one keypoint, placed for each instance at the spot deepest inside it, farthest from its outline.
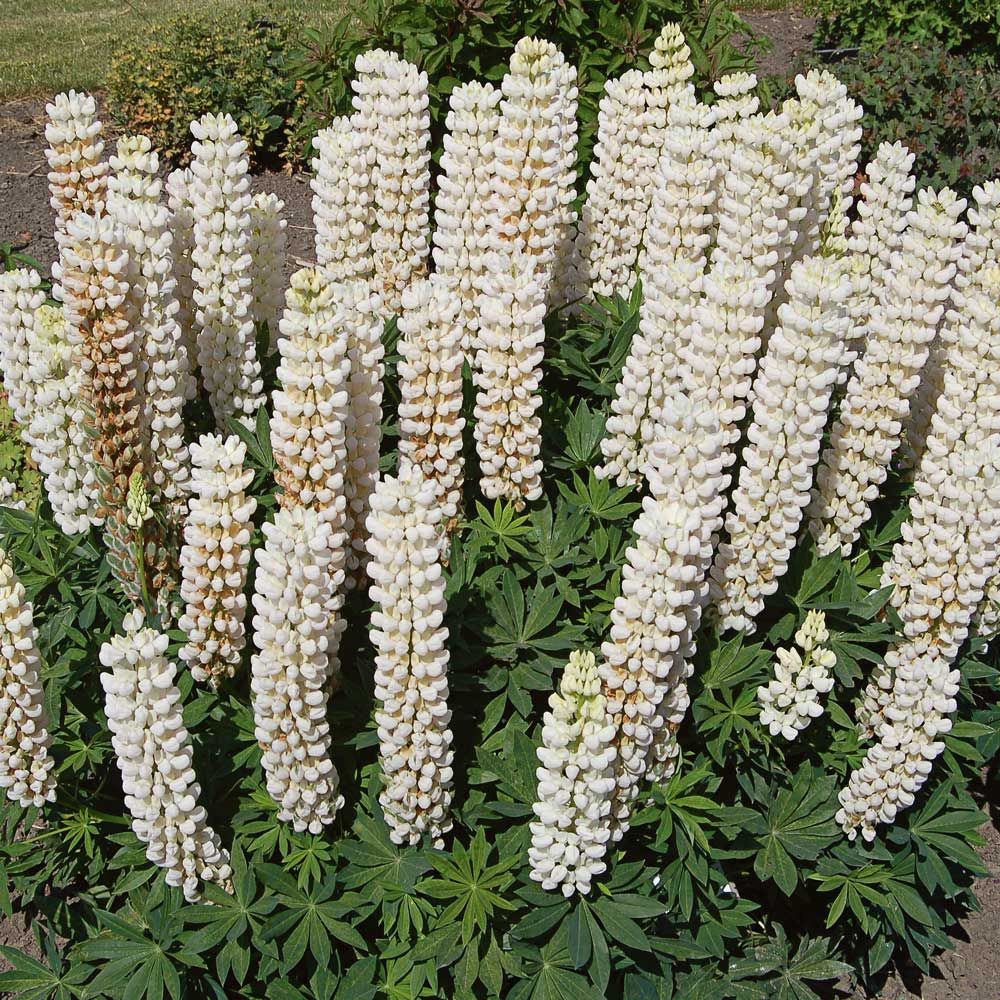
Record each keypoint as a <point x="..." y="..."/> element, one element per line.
<point x="972" y="970"/>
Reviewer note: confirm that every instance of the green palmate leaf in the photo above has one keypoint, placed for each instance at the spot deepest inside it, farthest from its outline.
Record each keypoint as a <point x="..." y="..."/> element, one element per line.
<point x="797" y="825"/>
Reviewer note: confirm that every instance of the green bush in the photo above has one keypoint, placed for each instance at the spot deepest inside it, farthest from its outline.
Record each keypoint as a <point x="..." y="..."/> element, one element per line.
<point x="971" y="26"/>
<point x="460" y="40"/>
<point x="940" y="104"/>
<point x="159" y="84"/>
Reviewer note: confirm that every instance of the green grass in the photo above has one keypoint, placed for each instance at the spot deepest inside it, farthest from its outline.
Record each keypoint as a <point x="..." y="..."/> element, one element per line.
<point x="52" y="45"/>
<point x="760" y="6"/>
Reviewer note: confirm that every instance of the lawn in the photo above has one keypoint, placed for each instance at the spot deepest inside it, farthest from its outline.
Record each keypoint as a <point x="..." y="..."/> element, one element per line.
<point x="51" y="45"/>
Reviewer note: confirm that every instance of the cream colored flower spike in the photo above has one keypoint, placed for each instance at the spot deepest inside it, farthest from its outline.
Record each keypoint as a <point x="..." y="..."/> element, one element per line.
<point x="26" y="769"/>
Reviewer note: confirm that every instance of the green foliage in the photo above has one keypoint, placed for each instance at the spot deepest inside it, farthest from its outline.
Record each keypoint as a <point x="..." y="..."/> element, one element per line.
<point x="942" y="105"/>
<point x="734" y="882"/>
<point x="969" y="26"/>
<point x="160" y="82"/>
<point x="460" y="40"/>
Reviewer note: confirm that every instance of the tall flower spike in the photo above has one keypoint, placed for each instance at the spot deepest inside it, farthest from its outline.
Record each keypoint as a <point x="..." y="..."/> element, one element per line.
<point x="964" y="418"/>
<point x="96" y="276"/>
<point x="26" y="768"/>
<point x="267" y="255"/>
<point x="647" y="657"/>
<point x="21" y="297"/>
<point x="792" y="393"/>
<point x="956" y="521"/>
<point x="411" y="663"/>
<point x="61" y="446"/>
<point x="533" y="178"/>
<point x="790" y="700"/>
<point x="144" y="711"/>
<point x="391" y="103"/>
<point x="312" y="409"/>
<point x="181" y="222"/>
<point x="876" y="233"/>
<point x="77" y="173"/>
<point x="292" y="593"/>
<point x="508" y="375"/>
<point x="364" y="420"/>
<point x="673" y="264"/>
<point x="570" y="833"/>
<point x="215" y="557"/>
<point x="430" y="384"/>
<point x="979" y="257"/>
<point x="460" y="237"/>
<point x="134" y="200"/>
<point x="343" y="212"/>
<point x="867" y="431"/>
<point x="223" y="270"/>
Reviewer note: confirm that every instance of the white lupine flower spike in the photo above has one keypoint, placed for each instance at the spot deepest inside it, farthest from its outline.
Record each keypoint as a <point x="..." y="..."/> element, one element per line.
<point x="575" y="780"/>
<point x="343" y="212"/>
<point x="222" y="271"/>
<point x="791" y="395"/>
<point x="181" y="222"/>
<point x="867" y="431"/>
<point x="508" y="376"/>
<point x="647" y="657"/>
<point x="391" y="102"/>
<point x="26" y="767"/>
<point x="461" y="240"/>
<point x="267" y="254"/>
<point x="292" y="596"/>
<point x="430" y="384"/>
<point x="790" y="701"/>
<point x="144" y="711"/>
<point x="411" y="663"/>
<point x="215" y="557"/>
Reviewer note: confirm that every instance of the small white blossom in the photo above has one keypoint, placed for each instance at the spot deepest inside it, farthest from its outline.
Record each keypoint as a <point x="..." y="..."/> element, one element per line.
<point x="790" y="701"/>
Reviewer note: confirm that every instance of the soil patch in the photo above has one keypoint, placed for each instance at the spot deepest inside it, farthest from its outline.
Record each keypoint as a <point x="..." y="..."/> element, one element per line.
<point x="790" y="32"/>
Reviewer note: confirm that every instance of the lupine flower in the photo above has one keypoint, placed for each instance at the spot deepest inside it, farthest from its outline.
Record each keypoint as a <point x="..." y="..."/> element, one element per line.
<point x="569" y="837"/>
<point x="21" y="297"/>
<point x="155" y="758"/>
<point x="390" y="98"/>
<point x="790" y="701"/>
<point x="664" y="589"/>
<point x="77" y="172"/>
<point x="134" y="200"/>
<point x="26" y="768"/>
<point x="461" y="241"/>
<point x="792" y="392"/>
<point x="181" y="222"/>
<point x="867" y="430"/>
<point x="508" y="375"/>
<point x="219" y="192"/>
<point x="215" y="557"/>
<point x="343" y="211"/>
<point x="430" y="384"/>
<point x="980" y="254"/>
<point x="312" y="409"/>
<point x="96" y="277"/>
<point x="533" y="179"/>
<point x="267" y="255"/>
<point x="8" y="491"/>
<point x="57" y="432"/>
<point x="673" y="265"/>
<point x="411" y="663"/>
<point x="964" y="417"/>
<point x="292" y="592"/>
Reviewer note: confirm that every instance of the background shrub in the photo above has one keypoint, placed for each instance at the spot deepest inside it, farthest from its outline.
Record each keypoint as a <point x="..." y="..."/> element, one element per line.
<point x="460" y="40"/>
<point x="158" y="84"/>
<point x="941" y="104"/>
<point x="971" y="26"/>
